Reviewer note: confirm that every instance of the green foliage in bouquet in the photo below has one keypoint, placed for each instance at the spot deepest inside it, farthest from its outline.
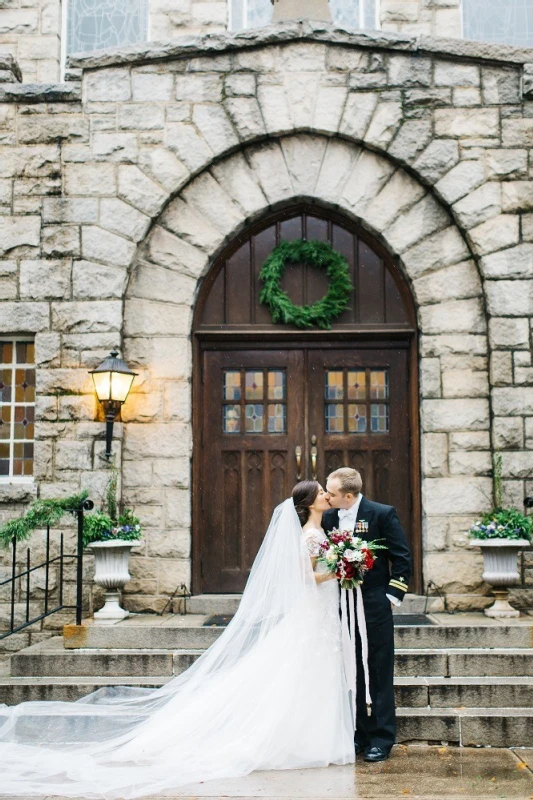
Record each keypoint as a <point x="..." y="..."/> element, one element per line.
<point x="501" y="523"/>
<point x="40" y="514"/>
<point x="109" y="523"/>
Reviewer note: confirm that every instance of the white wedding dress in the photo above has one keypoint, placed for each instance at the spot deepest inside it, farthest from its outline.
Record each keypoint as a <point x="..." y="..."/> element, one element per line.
<point x="271" y="693"/>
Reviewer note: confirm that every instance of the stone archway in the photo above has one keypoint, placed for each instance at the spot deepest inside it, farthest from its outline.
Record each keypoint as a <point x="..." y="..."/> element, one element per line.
<point x="399" y="211"/>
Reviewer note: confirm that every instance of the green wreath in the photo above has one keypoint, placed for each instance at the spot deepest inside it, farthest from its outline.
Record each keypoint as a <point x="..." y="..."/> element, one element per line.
<point x="320" y="255"/>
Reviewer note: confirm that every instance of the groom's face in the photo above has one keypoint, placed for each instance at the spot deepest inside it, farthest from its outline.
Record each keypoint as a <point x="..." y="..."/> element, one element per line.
<point x="336" y="498"/>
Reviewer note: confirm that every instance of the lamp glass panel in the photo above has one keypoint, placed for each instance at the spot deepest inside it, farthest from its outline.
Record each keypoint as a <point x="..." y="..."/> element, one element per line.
<point x="120" y="385"/>
<point x="102" y="385"/>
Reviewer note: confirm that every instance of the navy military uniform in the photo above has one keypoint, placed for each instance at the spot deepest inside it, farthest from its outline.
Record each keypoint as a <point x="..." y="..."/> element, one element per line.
<point x="389" y="575"/>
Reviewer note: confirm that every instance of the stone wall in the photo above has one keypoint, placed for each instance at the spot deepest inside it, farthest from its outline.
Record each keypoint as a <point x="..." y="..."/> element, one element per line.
<point x="115" y="203"/>
<point x="431" y="17"/>
<point x="30" y="30"/>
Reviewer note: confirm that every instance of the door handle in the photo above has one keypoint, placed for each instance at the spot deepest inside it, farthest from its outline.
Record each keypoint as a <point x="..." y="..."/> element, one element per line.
<point x="298" y="454"/>
<point x="314" y="458"/>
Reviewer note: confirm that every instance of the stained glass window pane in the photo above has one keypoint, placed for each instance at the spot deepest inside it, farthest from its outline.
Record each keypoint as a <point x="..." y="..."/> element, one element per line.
<point x="17" y="408"/>
<point x="379" y="418"/>
<point x="276" y="384"/>
<point x="6" y="352"/>
<point x="254" y="418"/>
<point x="356" y="418"/>
<point x="232" y="419"/>
<point x="334" y="385"/>
<point x="6" y="376"/>
<point x="24" y="419"/>
<point x="254" y="385"/>
<point x="232" y="385"/>
<point x="334" y="418"/>
<point x="379" y="385"/>
<point x="507" y="21"/>
<point x="356" y="385"/>
<point x="5" y="422"/>
<point x="249" y="13"/>
<point x="95" y="24"/>
<point x="355" y="13"/>
<point x="277" y="418"/>
<point x="24" y="385"/>
<point x="25" y="353"/>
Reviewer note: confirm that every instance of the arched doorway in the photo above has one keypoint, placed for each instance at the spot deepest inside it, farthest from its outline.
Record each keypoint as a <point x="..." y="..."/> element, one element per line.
<point x="273" y="404"/>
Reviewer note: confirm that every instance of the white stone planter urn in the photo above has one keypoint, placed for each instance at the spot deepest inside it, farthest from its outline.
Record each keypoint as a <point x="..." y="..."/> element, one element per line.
<point x="111" y="560"/>
<point x="499" y="556"/>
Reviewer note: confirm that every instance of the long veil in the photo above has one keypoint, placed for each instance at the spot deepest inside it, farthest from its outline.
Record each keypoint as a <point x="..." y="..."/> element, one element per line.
<point x="233" y="711"/>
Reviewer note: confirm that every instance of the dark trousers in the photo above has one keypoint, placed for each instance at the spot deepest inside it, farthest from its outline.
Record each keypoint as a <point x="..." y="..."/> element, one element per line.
<point x="378" y="730"/>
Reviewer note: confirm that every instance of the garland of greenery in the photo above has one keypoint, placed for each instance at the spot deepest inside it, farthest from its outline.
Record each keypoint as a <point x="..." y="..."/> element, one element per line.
<point x="40" y="514"/>
<point x="320" y="255"/>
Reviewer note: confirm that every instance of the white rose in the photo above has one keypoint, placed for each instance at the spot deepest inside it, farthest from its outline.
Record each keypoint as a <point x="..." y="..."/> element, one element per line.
<point x="350" y="555"/>
<point x="331" y="555"/>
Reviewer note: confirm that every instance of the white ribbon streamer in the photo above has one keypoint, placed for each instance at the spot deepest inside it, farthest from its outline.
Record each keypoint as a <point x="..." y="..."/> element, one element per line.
<point x="348" y="623"/>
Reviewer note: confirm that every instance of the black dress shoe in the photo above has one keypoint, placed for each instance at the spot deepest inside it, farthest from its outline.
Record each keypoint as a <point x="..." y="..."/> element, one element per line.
<point x="359" y="748"/>
<point x="377" y="753"/>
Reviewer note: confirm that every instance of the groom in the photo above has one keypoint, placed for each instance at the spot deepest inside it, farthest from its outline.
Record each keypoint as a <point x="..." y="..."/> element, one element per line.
<point x="383" y="587"/>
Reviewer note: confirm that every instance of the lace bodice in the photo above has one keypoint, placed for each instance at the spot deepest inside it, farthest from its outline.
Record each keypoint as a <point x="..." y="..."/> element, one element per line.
<point x="328" y="592"/>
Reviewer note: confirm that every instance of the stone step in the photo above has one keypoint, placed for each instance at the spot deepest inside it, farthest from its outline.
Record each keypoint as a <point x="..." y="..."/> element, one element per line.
<point x="228" y="604"/>
<point x="51" y="659"/>
<point x="410" y="692"/>
<point x="468" y="727"/>
<point x="188" y="632"/>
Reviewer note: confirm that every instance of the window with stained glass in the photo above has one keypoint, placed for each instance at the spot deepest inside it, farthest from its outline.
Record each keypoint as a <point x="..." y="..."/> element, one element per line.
<point x="95" y="24"/>
<point x="249" y="14"/>
<point x="507" y="21"/>
<point x="17" y="408"/>
<point x="357" y="401"/>
<point x="254" y="401"/>
<point x="362" y="14"/>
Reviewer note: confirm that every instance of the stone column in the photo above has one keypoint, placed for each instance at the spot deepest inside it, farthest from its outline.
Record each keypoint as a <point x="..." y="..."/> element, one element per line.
<point x="301" y="9"/>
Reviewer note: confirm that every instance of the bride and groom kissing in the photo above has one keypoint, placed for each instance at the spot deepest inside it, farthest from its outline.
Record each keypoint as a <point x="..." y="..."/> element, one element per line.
<point x="275" y="691"/>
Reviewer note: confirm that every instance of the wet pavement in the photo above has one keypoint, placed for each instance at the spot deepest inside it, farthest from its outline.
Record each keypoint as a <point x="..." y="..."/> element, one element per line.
<point x="416" y="772"/>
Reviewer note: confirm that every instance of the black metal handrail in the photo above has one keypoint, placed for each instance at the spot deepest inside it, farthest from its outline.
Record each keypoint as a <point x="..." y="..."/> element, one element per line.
<point x="85" y="505"/>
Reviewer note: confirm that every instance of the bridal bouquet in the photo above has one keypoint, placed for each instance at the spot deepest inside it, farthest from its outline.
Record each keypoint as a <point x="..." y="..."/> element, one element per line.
<point x="348" y="556"/>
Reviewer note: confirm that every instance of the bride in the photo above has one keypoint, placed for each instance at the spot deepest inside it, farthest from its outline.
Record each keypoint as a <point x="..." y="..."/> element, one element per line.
<point x="270" y="693"/>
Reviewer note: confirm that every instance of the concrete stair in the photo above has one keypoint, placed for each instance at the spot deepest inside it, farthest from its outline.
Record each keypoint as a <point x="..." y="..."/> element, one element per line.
<point x="464" y="680"/>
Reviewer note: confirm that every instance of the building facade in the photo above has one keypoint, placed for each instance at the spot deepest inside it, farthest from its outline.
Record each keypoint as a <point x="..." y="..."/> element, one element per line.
<point x="139" y="199"/>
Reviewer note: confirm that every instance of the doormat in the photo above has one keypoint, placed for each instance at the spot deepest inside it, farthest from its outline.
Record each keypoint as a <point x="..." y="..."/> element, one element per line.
<point x="218" y="621"/>
<point x="412" y="619"/>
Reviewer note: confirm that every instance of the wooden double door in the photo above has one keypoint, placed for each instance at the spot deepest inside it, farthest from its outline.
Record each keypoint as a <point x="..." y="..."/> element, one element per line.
<point x="271" y="417"/>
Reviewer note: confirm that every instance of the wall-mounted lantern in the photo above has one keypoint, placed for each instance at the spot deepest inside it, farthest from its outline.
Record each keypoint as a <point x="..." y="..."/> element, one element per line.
<point x="112" y="382"/>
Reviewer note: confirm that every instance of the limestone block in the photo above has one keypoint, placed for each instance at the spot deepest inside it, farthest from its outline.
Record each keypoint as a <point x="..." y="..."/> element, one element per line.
<point x="430" y="384"/>
<point x="168" y="250"/>
<point x="339" y="161"/>
<point x="200" y="88"/>
<point x="78" y="407"/>
<point x="527" y="227"/>
<point x="470" y="463"/>
<point x="301" y="90"/>
<point x="437" y="158"/>
<point x="117" y="147"/>
<point x="47" y="349"/>
<point x="147" y="318"/>
<point x="515" y="262"/>
<point x="145" y="117"/>
<point x="370" y="174"/>
<point x="400" y="193"/>
<point x="149" y="86"/>
<point x="409" y="70"/>
<point x="157" y="440"/>
<point x="509" y="298"/>
<point x="60" y="240"/>
<point x="61" y="381"/>
<point x="498" y="232"/>
<point x="107" y="85"/>
<point x="466" y="97"/>
<point x="372" y="76"/>
<point x="44" y="279"/>
<point x="413" y="135"/>
<point x="469" y="440"/>
<point x="169" y="359"/>
<point x="422" y="220"/>
<point x="70" y="209"/>
<point x="357" y="114"/>
<point x="449" y="73"/>
<point x="274" y="107"/>
<point x="455" y="575"/>
<point x="513" y="496"/>
<point x="190" y="147"/>
<point x="191" y="225"/>
<point x="508" y="432"/>
<point x="267" y="162"/>
<point x="506" y="333"/>
<point x="120" y="217"/>
<point x="482" y="204"/>
<point x="517" y="195"/>
<point x="90" y="179"/>
<point x="303" y="156"/>
<point x="19" y="21"/>
<point x="501" y="85"/>
<point x="467" y="122"/>
<point x="142" y="407"/>
<point x="245" y="114"/>
<point x="139" y="190"/>
<point x="215" y="127"/>
<point x="465" y="383"/>
<point x="516" y="464"/>
<point x="169" y="544"/>
<point x="163" y="166"/>
<point x="239" y="182"/>
<point x="18" y="232"/>
<point x="165" y="285"/>
<point x="517" y="132"/>
<point x="453" y="316"/>
<point x="97" y="244"/>
<point x="512" y="401"/>
<point x="172" y="573"/>
<point x="92" y="281"/>
<point x="384" y="124"/>
<point x="465" y="495"/>
<point x="434" y="534"/>
<point x="29" y="162"/>
<point x="460" y="180"/>
<point x="329" y="107"/>
<point x="439" y="250"/>
<point x="177" y="401"/>
<point x="507" y="163"/>
<point x="459" y="281"/>
<point x="239" y="84"/>
<point x="73" y="455"/>
<point x="455" y="415"/>
<point x="87" y="317"/>
<point x="435" y="454"/>
<point x="177" y="507"/>
<point x="501" y="368"/>
<point x="47" y="129"/>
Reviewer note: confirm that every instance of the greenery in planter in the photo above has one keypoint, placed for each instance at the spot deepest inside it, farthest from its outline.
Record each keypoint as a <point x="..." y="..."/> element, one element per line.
<point x="40" y="514"/>
<point x="111" y="523"/>
<point x="501" y="523"/>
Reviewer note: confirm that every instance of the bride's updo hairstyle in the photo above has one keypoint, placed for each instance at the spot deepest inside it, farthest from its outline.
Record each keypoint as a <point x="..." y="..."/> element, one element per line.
<point x="304" y="495"/>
